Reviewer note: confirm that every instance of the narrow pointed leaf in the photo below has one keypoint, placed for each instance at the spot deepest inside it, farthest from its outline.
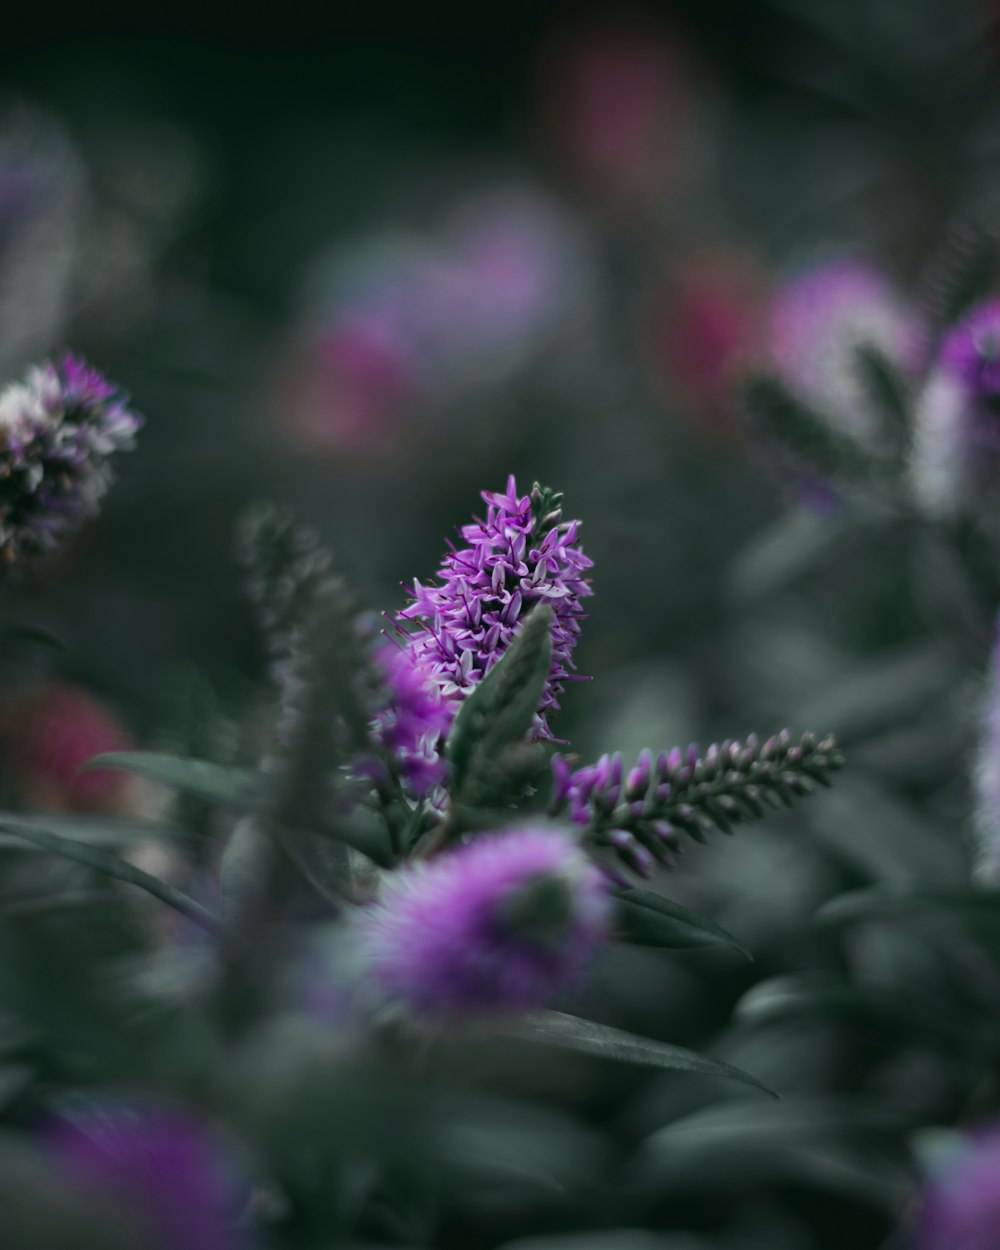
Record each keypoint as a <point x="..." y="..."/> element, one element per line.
<point x="87" y="830"/>
<point x="556" y="1028"/>
<point x="970" y="904"/>
<point x="111" y="865"/>
<point x="220" y="783"/>
<point x="648" y="919"/>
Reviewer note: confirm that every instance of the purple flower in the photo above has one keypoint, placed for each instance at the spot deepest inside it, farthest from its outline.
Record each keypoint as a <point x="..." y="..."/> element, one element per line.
<point x="820" y="320"/>
<point x="522" y="554"/>
<point x="987" y="778"/>
<point x="58" y="429"/>
<point x="505" y="924"/>
<point x="160" y="1165"/>
<point x="956" y="446"/>
<point x="971" y="351"/>
<point x="961" y="1205"/>
<point x="413" y="720"/>
<point x="621" y="805"/>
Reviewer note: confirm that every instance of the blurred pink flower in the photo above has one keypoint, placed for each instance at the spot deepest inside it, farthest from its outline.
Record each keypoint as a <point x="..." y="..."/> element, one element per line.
<point x="701" y="326"/>
<point x="48" y="734"/>
<point x="617" y="104"/>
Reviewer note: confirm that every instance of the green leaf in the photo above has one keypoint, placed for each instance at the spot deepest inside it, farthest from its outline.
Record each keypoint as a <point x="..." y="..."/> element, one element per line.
<point x="499" y="712"/>
<point x="877" y="1010"/>
<point x="740" y="1145"/>
<point x="111" y="865"/>
<point x="648" y="919"/>
<point x="795" y="425"/>
<point x="888" y="390"/>
<point x="966" y="273"/>
<point x="789" y="548"/>
<point x="556" y="1028"/>
<point x="976" y="905"/>
<point x="221" y="783"/>
<point x="88" y="830"/>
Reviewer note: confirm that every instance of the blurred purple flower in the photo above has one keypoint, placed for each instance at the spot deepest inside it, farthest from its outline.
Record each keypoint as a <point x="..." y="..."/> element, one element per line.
<point x="519" y="556"/>
<point x="986" y="815"/>
<point x="955" y="456"/>
<point x="405" y="321"/>
<point x="58" y="430"/>
<point x="413" y="720"/>
<point x="961" y="1204"/>
<point x="504" y="924"/>
<point x="820" y="319"/>
<point x="161" y="1166"/>
<point x="972" y="351"/>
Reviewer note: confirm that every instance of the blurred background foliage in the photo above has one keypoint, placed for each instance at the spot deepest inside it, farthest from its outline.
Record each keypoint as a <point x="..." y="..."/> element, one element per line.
<point x="369" y="270"/>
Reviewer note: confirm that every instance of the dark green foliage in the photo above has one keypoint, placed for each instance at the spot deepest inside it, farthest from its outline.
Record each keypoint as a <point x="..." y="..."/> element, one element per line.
<point x="286" y="568"/>
<point x="555" y="1028"/>
<point x="648" y="919"/>
<point x="85" y="851"/>
<point x="486" y="746"/>
<point x="813" y="445"/>
<point x="217" y="783"/>
<point x="967" y="270"/>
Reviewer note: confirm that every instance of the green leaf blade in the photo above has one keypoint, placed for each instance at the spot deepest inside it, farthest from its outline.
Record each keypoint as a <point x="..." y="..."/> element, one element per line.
<point x="556" y="1028"/>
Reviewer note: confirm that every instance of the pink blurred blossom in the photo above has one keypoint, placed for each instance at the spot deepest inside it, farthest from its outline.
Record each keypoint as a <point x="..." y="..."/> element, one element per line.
<point x="48" y="734"/>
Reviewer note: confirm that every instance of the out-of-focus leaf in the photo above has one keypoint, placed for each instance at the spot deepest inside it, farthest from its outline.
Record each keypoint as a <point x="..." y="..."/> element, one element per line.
<point x="789" y="548"/>
<point x="874" y="1009"/>
<point x="888" y="390"/>
<point x="966" y="271"/>
<point x="556" y="1028"/>
<point x="808" y="436"/>
<point x="609" y="1239"/>
<point x="735" y="1145"/>
<point x="648" y="919"/>
<point x="222" y="783"/>
<point x="886" y="691"/>
<point x="879" y="904"/>
<point x="885" y="837"/>
<point x="89" y="830"/>
<point x="111" y="865"/>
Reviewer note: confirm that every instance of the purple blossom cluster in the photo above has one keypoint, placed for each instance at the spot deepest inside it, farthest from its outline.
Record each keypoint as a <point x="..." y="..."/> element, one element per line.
<point x="160" y="1166"/>
<point x="58" y="430"/>
<point x="961" y="1204"/>
<point x="501" y="925"/>
<point x="640" y="814"/>
<point x="615" y="798"/>
<point x="956" y="444"/>
<point x="986" y="817"/>
<point x="521" y="555"/>
<point x="412" y="721"/>
<point x="971" y="352"/>
<point x="822" y="317"/>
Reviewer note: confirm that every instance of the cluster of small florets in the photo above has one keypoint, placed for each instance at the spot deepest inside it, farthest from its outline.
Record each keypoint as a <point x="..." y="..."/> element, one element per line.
<point x="58" y="430"/>
<point x="641" y="814"/>
<point x="956" y="447"/>
<point x="503" y="924"/>
<point x="602" y="794"/>
<point x="522" y="554"/>
<point x="165" y="1171"/>
<point x="412" y="721"/>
